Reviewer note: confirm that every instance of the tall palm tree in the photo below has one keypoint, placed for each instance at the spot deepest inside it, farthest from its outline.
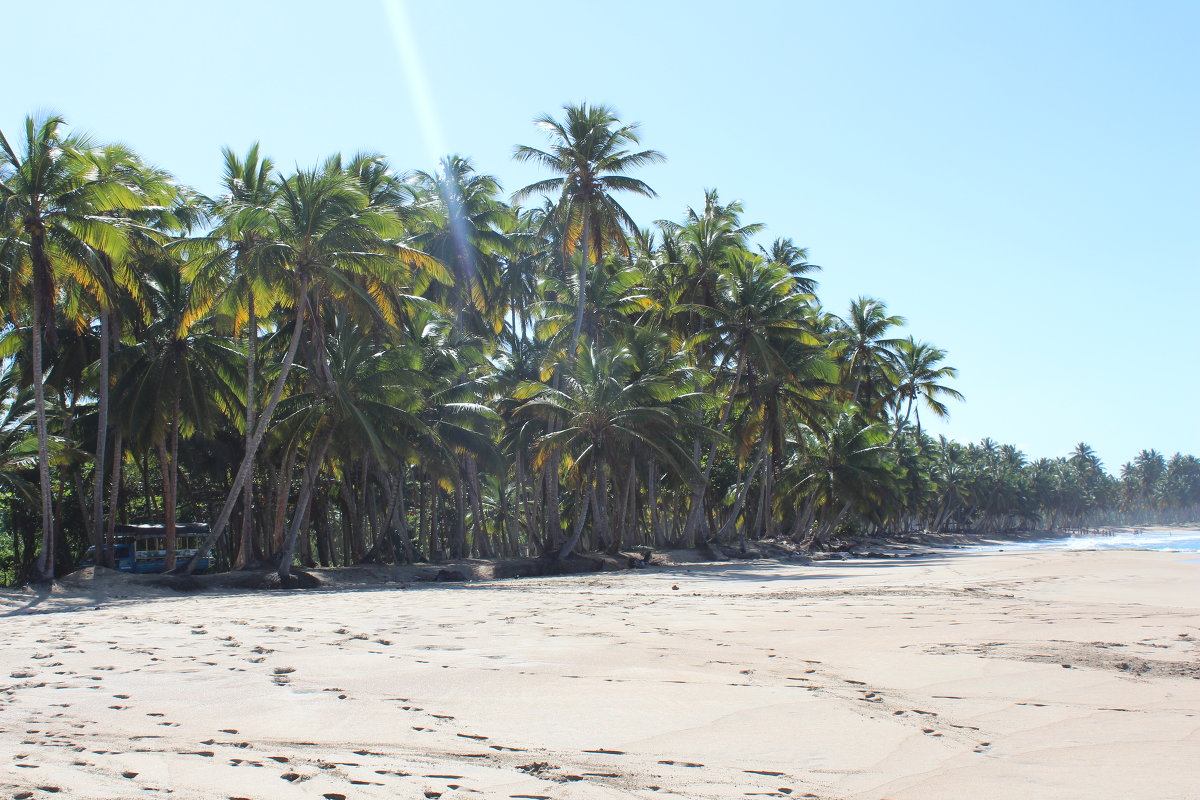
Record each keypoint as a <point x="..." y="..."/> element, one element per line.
<point x="784" y="252"/>
<point x="166" y="209"/>
<point x="753" y="310"/>
<point x="228" y="271"/>
<point x="866" y="352"/>
<point x="336" y="247"/>
<point x="917" y="378"/>
<point x="59" y="205"/>
<point x="179" y="377"/>
<point x="703" y="245"/>
<point x="463" y="226"/>
<point x="590" y="149"/>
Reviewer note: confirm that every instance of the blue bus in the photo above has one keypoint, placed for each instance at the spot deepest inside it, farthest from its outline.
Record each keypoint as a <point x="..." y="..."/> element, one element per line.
<point x="142" y="548"/>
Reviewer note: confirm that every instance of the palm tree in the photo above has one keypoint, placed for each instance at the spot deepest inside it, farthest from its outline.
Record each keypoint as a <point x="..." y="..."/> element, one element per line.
<point x="840" y="465"/>
<point x="866" y="353"/>
<point x="335" y="247"/>
<point x="703" y="245"/>
<point x="589" y="149"/>
<point x="784" y="252"/>
<point x="754" y="309"/>
<point x="607" y="410"/>
<point x="228" y="271"/>
<point x="179" y="377"/>
<point x="55" y="200"/>
<point x="917" y="378"/>
<point x="463" y="226"/>
<point x="371" y="418"/>
<point x="167" y="209"/>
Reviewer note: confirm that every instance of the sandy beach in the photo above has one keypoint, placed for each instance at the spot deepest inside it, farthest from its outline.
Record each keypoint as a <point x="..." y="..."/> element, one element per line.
<point x="998" y="675"/>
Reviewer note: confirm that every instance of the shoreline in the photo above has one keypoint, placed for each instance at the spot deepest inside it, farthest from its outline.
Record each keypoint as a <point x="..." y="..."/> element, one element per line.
<point x="89" y="579"/>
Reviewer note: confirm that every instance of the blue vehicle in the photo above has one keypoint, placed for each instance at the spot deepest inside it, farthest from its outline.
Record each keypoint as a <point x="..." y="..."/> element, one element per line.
<point x="142" y="548"/>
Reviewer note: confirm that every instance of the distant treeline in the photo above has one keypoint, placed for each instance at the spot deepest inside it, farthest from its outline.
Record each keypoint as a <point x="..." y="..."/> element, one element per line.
<point x="354" y="363"/>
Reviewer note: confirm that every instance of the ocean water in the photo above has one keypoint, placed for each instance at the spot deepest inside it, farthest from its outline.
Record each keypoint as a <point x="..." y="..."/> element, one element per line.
<point x="1176" y="541"/>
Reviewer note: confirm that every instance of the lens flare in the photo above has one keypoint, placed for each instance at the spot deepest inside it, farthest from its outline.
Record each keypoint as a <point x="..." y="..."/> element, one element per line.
<point x="414" y="75"/>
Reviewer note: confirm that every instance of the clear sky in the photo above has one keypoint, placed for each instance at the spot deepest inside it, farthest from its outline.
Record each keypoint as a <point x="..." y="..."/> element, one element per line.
<point x="1018" y="179"/>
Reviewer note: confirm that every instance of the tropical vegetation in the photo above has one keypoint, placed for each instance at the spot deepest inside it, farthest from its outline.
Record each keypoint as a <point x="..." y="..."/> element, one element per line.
<point x="351" y="363"/>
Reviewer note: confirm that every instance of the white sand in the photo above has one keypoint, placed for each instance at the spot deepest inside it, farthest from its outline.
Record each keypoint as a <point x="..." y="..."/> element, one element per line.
<point x="923" y="678"/>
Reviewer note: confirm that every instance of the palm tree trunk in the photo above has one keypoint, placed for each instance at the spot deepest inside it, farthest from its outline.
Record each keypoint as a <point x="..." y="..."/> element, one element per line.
<point x="113" y="496"/>
<point x="696" y="515"/>
<point x="170" y="468"/>
<point x="243" y="555"/>
<point x="283" y="485"/>
<point x="601" y="523"/>
<point x="45" y="559"/>
<point x="264" y="421"/>
<point x="476" y="496"/>
<point x="101" y="436"/>
<point x="459" y="548"/>
<point x="582" y="291"/>
<point x="399" y="521"/>
<point x="553" y="516"/>
<point x="652" y="503"/>
<point x="316" y="460"/>
<point x="743" y="491"/>
<point x="568" y="546"/>
<point x="164" y="468"/>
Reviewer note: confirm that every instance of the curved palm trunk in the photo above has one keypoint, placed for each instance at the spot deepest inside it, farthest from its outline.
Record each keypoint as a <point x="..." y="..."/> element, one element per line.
<point x="568" y="546"/>
<point x="243" y="472"/>
<point x="731" y="523"/>
<point x="901" y="423"/>
<point x="315" y="460"/>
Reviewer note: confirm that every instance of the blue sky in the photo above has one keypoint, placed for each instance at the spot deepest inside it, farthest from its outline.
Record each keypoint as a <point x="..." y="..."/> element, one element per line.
<point x="1019" y="180"/>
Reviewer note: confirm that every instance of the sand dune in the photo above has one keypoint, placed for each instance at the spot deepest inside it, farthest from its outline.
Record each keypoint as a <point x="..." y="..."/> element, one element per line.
<point x="1040" y="675"/>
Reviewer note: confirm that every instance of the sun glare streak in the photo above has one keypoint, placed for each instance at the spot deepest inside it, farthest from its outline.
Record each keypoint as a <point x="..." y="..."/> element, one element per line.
<point x="414" y="76"/>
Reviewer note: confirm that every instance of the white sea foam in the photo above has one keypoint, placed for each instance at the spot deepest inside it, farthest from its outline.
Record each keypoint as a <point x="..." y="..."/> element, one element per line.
<point x="1174" y="541"/>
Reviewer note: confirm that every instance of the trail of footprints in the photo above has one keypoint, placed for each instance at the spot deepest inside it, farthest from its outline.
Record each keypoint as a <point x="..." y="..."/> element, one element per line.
<point x="364" y="768"/>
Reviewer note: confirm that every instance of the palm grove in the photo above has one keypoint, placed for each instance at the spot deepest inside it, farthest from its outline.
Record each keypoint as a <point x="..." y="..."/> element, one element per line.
<point x="349" y="364"/>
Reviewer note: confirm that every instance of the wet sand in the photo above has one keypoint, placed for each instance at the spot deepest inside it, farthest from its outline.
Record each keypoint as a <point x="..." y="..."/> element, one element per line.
<point x="998" y="675"/>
